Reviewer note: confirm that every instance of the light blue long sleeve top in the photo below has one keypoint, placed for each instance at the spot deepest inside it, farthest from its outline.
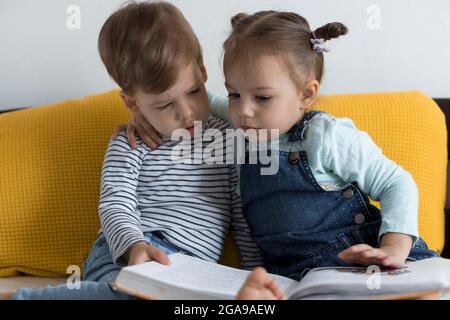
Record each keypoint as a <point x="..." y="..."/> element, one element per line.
<point x="338" y="154"/>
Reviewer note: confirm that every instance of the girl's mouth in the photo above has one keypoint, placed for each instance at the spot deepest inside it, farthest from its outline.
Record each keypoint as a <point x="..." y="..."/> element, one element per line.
<point x="245" y="128"/>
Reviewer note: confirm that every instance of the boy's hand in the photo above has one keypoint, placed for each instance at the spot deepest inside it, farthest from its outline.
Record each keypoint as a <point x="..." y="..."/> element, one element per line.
<point x="393" y="251"/>
<point x="138" y="123"/>
<point x="143" y="252"/>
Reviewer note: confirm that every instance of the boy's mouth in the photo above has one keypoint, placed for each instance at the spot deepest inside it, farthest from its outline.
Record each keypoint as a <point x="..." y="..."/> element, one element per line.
<point x="190" y="129"/>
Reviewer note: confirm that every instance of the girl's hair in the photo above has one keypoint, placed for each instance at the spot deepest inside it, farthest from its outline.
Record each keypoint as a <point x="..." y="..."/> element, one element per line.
<point x="282" y="34"/>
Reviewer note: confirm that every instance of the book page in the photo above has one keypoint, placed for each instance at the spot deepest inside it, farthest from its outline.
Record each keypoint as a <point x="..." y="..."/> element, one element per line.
<point x="424" y="275"/>
<point x="198" y="275"/>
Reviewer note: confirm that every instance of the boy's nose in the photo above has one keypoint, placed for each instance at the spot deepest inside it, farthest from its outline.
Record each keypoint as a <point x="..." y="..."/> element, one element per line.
<point x="187" y="114"/>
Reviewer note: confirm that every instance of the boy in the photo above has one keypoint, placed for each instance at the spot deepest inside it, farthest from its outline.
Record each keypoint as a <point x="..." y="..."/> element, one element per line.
<point x="151" y="206"/>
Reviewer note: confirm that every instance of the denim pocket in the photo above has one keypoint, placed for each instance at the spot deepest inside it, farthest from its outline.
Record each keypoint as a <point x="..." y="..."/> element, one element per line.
<point x="327" y="256"/>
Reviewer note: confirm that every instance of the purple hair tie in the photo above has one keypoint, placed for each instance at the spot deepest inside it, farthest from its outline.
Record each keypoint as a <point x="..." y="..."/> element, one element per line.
<point x="318" y="45"/>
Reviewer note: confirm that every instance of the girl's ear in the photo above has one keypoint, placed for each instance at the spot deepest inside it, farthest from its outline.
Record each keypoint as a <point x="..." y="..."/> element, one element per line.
<point x="204" y="73"/>
<point x="129" y="101"/>
<point x="309" y="93"/>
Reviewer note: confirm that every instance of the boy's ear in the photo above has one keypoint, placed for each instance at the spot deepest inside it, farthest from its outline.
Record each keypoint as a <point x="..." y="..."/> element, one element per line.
<point x="309" y="93"/>
<point x="204" y="73"/>
<point x="130" y="102"/>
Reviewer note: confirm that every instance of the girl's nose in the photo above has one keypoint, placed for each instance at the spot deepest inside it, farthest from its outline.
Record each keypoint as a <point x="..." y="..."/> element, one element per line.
<point x="246" y="110"/>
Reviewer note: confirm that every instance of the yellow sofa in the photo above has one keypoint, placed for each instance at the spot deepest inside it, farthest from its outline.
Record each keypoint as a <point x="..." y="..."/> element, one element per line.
<point x="51" y="159"/>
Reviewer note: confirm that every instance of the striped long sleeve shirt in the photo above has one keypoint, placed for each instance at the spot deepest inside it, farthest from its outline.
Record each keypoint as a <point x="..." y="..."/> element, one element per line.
<point x="192" y="205"/>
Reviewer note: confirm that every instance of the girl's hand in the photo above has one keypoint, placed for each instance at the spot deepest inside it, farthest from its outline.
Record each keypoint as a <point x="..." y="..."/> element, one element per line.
<point x="138" y="123"/>
<point x="393" y="251"/>
<point x="364" y="254"/>
<point x="143" y="252"/>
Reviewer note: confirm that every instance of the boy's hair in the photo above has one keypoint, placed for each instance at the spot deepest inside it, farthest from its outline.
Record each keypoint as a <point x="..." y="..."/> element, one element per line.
<point x="144" y="44"/>
<point x="284" y="34"/>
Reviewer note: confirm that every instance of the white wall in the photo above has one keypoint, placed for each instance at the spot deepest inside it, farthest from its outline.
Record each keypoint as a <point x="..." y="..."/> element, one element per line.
<point x="43" y="61"/>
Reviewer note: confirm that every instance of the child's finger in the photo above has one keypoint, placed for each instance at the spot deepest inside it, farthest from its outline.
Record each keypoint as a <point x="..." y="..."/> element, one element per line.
<point x="131" y="136"/>
<point x="352" y="254"/>
<point x="158" y="255"/>
<point x="358" y="248"/>
<point x="372" y="257"/>
<point x="356" y="258"/>
<point x="389" y="262"/>
<point x="364" y="257"/>
<point x="118" y="130"/>
<point x="149" y="135"/>
<point x="138" y="259"/>
<point x="149" y="142"/>
<point x="261" y="276"/>
<point x="147" y="128"/>
<point x="144" y="136"/>
<point x="275" y="289"/>
<point x="373" y="253"/>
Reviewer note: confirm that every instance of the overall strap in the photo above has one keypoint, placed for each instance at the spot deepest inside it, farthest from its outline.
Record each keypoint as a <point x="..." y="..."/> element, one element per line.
<point x="298" y="131"/>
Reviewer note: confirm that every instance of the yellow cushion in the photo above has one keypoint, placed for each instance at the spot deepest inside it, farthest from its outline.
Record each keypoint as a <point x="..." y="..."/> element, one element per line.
<point x="50" y="166"/>
<point x="410" y="129"/>
<point x="52" y="155"/>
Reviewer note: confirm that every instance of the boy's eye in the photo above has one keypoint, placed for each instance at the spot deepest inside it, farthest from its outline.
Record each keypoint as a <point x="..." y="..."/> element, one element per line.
<point x="233" y="95"/>
<point x="195" y="91"/>
<point x="164" y="107"/>
<point x="263" y="98"/>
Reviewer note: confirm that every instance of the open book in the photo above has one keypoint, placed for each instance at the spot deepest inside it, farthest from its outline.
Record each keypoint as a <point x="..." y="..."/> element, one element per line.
<point x="192" y="278"/>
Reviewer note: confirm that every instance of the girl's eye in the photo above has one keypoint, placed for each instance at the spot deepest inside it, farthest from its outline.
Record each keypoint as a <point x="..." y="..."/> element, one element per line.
<point x="263" y="98"/>
<point x="195" y="91"/>
<point x="233" y="95"/>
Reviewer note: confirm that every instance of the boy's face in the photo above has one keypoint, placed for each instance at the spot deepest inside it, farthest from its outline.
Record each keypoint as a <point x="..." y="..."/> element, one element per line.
<point x="177" y="107"/>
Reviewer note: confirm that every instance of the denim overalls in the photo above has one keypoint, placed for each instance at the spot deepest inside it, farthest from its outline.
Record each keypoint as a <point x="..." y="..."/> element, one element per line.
<point x="297" y="224"/>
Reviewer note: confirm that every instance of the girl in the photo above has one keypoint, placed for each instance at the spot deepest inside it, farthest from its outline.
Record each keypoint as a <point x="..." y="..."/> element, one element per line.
<point x="315" y="211"/>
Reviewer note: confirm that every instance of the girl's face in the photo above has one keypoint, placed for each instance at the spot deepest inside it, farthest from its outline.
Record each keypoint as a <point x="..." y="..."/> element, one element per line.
<point x="265" y="98"/>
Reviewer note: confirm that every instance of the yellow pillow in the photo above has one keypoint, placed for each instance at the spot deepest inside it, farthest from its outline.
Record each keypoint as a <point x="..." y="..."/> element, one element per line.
<point x="410" y="129"/>
<point x="50" y="166"/>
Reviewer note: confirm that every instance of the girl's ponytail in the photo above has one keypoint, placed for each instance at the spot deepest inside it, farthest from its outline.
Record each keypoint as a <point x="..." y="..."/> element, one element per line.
<point x="237" y="19"/>
<point x="331" y="31"/>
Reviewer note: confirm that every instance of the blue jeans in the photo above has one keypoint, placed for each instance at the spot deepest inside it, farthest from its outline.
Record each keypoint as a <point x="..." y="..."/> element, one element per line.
<point x="99" y="273"/>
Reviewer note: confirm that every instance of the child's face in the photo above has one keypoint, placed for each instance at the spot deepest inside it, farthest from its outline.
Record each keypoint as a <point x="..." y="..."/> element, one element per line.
<point x="177" y="107"/>
<point x="265" y="98"/>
